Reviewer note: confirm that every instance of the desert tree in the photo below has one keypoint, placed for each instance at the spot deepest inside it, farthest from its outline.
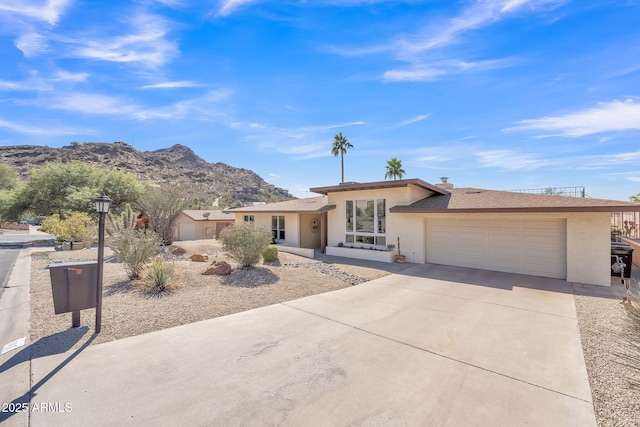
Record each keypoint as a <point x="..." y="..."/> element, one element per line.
<point x="394" y="169"/>
<point x="162" y="204"/>
<point x="340" y="146"/>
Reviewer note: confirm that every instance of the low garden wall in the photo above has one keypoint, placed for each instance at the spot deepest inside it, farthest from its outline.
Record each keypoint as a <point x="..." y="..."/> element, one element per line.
<point x="305" y="252"/>
<point x="14" y="226"/>
<point x="635" y="244"/>
<point x="358" y="253"/>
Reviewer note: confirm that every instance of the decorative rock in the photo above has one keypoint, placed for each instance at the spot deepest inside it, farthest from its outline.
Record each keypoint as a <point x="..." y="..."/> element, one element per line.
<point x="199" y="258"/>
<point x="177" y="250"/>
<point x="219" y="268"/>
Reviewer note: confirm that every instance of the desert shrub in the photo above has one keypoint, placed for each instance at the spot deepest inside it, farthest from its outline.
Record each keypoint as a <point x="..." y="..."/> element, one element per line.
<point x="270" y="254"/>
<point x="245" y="243"/>
<point x="631" y="338"/>
<point x="161" y="277"/>
<point x="133" y="248"/>
<point x="76" y="227"/>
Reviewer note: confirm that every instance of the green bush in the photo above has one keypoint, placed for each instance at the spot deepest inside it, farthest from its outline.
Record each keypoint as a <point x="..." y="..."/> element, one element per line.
<point x="271" y="254"/>
<point x="245" y="243"/>
<point x="161" y="277"/>
<point x="133" y="248"/>
<point x="77" y="227"/>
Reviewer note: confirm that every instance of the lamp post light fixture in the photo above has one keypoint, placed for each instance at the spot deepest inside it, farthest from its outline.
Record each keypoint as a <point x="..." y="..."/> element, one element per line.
<point x="102" y="208"/>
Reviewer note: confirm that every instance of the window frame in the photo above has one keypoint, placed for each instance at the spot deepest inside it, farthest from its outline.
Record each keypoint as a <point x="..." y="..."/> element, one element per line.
<point x="279" y="232"/>
<point x="366" y="239"/>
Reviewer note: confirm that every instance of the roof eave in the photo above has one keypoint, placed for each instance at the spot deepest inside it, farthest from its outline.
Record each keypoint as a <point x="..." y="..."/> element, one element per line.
<point x="608" y="209"/>
<point x="377" y="185"/>
<point x="324" y="208"/>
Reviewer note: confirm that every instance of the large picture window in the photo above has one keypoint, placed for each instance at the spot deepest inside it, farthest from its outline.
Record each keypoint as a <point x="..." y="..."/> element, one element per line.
<point x="365" y="222"/>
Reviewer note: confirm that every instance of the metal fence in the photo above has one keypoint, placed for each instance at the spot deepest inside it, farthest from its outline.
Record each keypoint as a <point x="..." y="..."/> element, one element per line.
<point x="625" y="224"/>
<point x="556" y="191"/>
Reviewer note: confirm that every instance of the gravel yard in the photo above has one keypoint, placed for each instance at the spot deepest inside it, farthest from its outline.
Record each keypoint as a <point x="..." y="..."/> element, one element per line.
<point x="128" y="310"/>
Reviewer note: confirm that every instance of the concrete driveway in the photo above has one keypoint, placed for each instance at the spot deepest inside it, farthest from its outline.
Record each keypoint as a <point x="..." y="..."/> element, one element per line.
<point x="436" y="345"/>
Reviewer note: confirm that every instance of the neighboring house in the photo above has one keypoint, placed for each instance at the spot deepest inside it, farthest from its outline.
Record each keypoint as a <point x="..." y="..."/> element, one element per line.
<point x="541" y="235"/>
<point x="201" y="224"/>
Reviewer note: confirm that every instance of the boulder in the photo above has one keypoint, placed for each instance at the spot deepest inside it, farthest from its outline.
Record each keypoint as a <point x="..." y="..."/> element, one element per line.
<point x="199" y="258"/>
<point x="219" y="268"/>
<point x="177" y="250"/>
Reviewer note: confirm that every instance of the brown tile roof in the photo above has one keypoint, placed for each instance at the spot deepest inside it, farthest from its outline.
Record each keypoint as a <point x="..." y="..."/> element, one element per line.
<point x="311" y="204"/>
<point x="469" y="200"/>
<point x="208" y="215"/>
<point x="350" y="186"/>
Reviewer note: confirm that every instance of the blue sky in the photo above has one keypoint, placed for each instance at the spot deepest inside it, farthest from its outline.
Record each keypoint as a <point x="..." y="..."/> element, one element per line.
<point x="504" y="95"/>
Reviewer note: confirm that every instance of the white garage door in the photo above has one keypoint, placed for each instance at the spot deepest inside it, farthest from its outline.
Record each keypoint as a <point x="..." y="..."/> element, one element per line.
<point x="525" y="246"/>
<point x="187" y="231"/>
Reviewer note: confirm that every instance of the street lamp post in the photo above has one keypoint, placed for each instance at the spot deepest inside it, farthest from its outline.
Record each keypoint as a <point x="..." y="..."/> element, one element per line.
<point x="102" y="208"/>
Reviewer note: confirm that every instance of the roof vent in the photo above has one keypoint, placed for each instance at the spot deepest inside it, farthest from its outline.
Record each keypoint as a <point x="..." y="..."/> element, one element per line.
<point x="348" y="183"/>
<point x="444" y="184"/>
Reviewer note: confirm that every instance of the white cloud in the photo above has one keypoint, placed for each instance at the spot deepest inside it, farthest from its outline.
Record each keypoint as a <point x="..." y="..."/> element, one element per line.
<point x="69" y="76"/>
<point x="437" y="70"/>
<point x="510" y="160"/>
<point x="34" y="130"/>
<point x="227" y="7"/>
<point x="479" y="14"/>
<point x="146" y="44"/>
<point x="614" y="116"/>
<point x="31" y="44"/>
<point x="414" y="120"/>
<point x="171" y="85"/>
<point x="48" y="11"/>
<point x="88" y="103"/>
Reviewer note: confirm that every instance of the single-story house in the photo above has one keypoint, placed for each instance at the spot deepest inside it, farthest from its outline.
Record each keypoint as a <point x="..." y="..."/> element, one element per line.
<point x="201" y="224"/>
<point x="541" y="235"/>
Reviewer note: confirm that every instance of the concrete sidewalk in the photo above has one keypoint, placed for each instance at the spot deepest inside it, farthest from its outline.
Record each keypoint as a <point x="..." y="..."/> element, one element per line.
<point x="436" y="345"/>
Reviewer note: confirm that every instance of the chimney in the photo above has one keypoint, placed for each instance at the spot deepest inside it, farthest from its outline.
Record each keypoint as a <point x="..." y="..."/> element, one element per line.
<point x="444" y="184"/>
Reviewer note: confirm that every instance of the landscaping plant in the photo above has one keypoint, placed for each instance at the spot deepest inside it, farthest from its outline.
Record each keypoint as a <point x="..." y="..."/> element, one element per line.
<point x="134" y="248"/>
<point x="631" y="355"/>
<point x="270" y="254"/>
<point x="161" y="277"/>
<point x="245" y="243"/>
<point x="76" y="227"/>
<point x="118" y="223"/>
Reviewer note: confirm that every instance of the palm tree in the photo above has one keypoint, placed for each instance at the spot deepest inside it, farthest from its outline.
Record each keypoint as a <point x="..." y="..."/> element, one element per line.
<point x="394" y="169"/>
<point x="340" y="146"/>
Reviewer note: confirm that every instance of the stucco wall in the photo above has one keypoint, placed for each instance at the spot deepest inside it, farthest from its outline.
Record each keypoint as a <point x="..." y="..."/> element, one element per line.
<point x="589" y="248"/>
<point x="393" y="197"/>
<point x="308" y="239"/>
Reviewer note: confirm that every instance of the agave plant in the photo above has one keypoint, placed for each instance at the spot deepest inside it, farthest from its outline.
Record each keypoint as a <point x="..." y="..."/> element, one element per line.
<point x="161" y="277"/>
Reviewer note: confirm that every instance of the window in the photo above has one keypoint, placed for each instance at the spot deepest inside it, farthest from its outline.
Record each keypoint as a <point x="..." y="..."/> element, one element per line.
<point x="365" y="222"/>
<point x="248" y="218"/>
<point x="277" y="227"/>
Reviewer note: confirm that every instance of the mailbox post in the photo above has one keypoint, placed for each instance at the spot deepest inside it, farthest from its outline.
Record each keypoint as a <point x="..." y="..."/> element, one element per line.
<point x="102" y="208"/>
<point x="73" y="286"/>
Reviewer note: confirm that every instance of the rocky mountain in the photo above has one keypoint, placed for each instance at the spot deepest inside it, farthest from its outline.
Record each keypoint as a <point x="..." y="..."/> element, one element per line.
<point x="177" y="165"/>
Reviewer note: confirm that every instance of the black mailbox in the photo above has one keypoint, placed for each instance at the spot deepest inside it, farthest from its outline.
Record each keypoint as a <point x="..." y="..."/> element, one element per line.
<point x="74" y="286"/>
